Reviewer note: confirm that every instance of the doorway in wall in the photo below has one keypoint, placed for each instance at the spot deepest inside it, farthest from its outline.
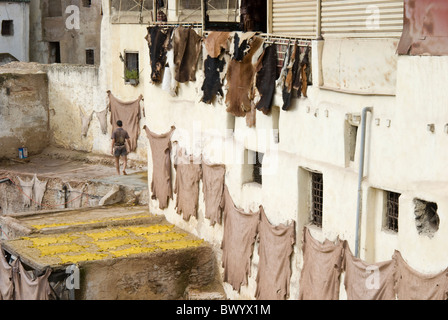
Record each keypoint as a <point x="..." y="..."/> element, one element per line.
<point x="55" y="52"/>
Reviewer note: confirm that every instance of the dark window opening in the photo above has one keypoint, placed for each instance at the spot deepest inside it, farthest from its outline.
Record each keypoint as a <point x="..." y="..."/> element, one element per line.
<point x="316" y="198"/>
<point x="392" y="210"/>
<point x="90" y="56"/>
<point x="253" y="15"/>
<point x="54" y="8"/>
<point x="7" y="28"/>
<point x="426" y="217"/>
<point x="55" y="52"/>
<point x="257" y="172"/>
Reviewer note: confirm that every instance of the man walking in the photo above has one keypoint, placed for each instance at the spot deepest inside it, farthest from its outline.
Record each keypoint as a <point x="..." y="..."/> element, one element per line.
<point x="120" y="146"/>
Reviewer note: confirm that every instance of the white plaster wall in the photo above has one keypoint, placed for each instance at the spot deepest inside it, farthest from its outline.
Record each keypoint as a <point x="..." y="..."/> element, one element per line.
<point x="312" y="136"/>
<point x="18" y="43"/>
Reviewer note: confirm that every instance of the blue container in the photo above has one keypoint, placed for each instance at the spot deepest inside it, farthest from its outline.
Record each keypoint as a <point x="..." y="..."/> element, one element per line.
<point x="23" y="153"/>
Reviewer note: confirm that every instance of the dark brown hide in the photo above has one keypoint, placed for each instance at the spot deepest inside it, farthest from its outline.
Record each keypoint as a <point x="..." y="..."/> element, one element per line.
<point x="292" y="80"/>
<point x="158" y="41"/>
<point x="266" y="77"/>
<point x="187" y="47"/>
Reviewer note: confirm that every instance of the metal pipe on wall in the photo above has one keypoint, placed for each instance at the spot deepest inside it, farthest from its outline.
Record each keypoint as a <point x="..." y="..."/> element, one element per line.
<point x="360" y="176"/>
<point x="319" y="20"/>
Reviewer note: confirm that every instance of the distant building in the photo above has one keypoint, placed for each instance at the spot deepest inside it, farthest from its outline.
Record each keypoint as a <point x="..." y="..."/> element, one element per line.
<point x="14" y="28"/>
<point x="65" y="31"/>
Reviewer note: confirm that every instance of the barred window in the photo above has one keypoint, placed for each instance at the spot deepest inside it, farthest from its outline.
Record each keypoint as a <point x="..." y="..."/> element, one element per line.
<point x="392" y="210"/>
<point x="317" y="185"/>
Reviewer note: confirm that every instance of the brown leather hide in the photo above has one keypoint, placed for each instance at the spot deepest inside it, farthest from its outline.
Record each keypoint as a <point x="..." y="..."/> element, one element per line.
<point x="216" y="42"/>
<point x="240" y="81"/>
<point x="187" y="47"/>
<point x="161" y="186"/>
<point x="129" y="113"/>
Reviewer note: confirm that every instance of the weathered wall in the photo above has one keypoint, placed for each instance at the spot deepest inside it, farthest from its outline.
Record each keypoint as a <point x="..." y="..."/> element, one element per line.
<point x="73" y="89"/>
<point x="39" y="49"/>
<point x="401" y="156"/>
<point x="18" y="43"/>
<point x="75" y="29"/>
<point x="23" y="112"/>
<point x="373" y="71"/>
<point x="165" y="276"/>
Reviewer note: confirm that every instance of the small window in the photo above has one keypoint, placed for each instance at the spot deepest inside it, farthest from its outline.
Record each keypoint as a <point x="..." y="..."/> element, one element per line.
<point x="7" y="28"/>
<point x="317" y="189"/>
<point x="257" y="172"/>
<point x="351" y="134"/>
<point x="55" y="52"/>
<point x="392" y="211"/>
<point x="131" y="67"/>
<point x="426" y="217"/>
<point x="90" y="56"/>
<point x="87" y="3"/>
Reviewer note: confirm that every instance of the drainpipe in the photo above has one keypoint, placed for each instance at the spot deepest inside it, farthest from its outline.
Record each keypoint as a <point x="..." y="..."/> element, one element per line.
<point x="319" y="20"/>
<point x="360" y="175"/>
